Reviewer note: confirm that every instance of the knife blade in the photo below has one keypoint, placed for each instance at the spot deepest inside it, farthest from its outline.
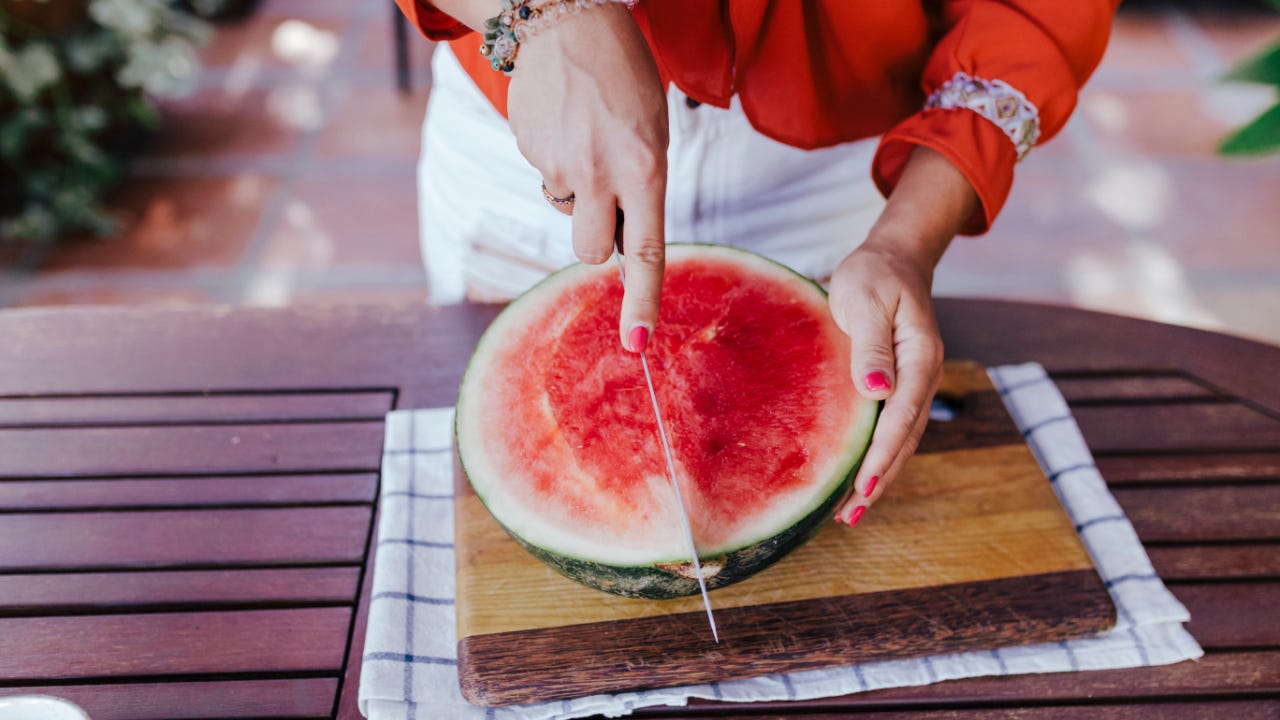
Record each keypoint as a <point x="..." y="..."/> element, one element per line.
<point x="671" y="472"/>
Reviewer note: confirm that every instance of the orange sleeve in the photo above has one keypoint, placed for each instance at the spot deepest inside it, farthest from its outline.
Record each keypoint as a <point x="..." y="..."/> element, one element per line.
<point x="431" y="21"/>
<point x="1043" y="49"/>
<point x="438" y="25"/>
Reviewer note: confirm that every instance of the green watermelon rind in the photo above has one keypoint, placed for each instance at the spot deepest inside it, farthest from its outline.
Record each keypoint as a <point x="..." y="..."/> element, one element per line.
<point x="664" y="579"/>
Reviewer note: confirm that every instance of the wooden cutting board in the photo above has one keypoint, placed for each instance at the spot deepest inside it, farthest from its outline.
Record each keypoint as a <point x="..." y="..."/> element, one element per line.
<point x="970" y="549"/>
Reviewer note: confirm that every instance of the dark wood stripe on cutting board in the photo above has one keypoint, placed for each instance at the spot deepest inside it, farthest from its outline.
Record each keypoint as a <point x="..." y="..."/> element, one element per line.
<point x="781" y="637"/>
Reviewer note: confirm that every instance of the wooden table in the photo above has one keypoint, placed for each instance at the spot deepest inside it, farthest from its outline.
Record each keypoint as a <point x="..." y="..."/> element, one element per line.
<point x="187" y="498"/>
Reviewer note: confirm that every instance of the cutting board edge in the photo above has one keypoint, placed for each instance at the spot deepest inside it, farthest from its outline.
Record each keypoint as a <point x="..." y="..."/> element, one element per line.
<point x="486" y="676"/>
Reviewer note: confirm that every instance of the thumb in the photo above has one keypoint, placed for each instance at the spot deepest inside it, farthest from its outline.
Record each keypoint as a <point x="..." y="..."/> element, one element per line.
<point x="644" y="258"/>
<point x="871" y="356"/>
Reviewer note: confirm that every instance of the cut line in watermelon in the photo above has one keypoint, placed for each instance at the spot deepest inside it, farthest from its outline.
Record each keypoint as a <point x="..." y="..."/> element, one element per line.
<point x="556" y="433"/>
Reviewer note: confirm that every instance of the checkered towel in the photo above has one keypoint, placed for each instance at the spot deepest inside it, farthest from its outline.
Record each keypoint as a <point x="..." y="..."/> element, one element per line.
<point x="410" y="662"/>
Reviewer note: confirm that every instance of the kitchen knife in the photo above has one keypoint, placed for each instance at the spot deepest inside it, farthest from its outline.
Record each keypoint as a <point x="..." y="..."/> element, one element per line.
<point x="671" y="466"/>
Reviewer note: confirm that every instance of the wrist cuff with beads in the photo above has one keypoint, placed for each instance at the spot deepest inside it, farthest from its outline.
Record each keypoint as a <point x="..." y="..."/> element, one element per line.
<point x="996" y="101"/>
<point x="520" y="19"/>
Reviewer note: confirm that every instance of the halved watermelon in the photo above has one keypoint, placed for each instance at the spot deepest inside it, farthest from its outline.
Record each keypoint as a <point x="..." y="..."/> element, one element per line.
<point x="556" y="431"/>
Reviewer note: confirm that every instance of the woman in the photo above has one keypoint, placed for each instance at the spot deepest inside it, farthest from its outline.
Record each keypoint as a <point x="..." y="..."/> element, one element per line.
<point x="753" y="123"/>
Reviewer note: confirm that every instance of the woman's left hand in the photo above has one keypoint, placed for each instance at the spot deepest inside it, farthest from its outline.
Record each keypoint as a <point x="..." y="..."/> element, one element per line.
<point x="881" y="296"/>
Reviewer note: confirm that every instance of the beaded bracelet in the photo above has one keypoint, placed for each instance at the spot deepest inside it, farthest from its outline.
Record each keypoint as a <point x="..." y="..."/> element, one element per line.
<point x="519" y="19"/>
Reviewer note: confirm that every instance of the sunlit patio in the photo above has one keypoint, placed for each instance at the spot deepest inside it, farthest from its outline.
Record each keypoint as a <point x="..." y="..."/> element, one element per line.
<point x="288" y="177"/>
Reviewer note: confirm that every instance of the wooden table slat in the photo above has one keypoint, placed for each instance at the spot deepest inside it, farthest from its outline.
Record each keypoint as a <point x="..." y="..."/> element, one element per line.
<point x="1176" y="426"/>
<point x="187" y="492"/>
<point x="165" y="409"/>
<point x="287" y="698"/>
<point x="104" y="646"/>
<point x="1067" y="340"/>
<point x="1232" y="615"/>
<point x="1203" y="562"/>
<point x="63" y="591"/>
<point x="184" y="449"/>
<point x="1190" y="468"/>
<point x="1129" y="388"/>
<point x="172" y="538"/>
<point x="1194" y="513"/>
<point x="421" y="351"/>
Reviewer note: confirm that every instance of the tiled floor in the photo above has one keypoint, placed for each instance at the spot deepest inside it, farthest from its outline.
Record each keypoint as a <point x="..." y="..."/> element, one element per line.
<point x="289" y="178"/>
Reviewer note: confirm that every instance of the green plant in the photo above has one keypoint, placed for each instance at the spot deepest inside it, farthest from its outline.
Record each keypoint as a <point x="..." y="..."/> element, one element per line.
<point x="77" y="86"/>
<point x="1262" y="135"/>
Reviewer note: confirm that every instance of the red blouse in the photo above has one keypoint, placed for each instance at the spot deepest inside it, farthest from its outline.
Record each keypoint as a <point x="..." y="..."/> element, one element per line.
<point x="822" y="72"/>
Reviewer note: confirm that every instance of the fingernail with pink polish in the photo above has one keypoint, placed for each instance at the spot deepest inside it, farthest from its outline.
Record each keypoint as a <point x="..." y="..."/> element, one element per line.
<point x="871" y="486"/>
<point x="877" y="381"/>
<point x="856" y="515"/>
<point x="638" y="338"/>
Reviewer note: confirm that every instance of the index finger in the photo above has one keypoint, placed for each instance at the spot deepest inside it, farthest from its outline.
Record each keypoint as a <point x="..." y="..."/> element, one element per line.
<point x="644" y="257"/>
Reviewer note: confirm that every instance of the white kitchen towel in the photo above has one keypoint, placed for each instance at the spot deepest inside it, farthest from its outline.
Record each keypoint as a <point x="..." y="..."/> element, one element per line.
<point x="409" y="669"/>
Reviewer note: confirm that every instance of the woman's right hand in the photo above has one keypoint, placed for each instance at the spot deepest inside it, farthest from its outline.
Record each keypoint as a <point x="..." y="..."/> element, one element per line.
<point x="589" y="112"/>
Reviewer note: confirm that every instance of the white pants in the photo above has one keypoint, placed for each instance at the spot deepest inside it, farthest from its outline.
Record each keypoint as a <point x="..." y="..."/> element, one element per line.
<point x="488" y="234"/>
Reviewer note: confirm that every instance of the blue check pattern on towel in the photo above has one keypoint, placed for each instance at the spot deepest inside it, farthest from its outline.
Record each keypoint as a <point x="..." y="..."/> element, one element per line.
<point x="409" y="670"/>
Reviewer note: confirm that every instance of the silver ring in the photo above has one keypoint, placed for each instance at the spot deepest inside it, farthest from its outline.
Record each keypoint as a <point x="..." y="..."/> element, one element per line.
<point x="559" y="202"/>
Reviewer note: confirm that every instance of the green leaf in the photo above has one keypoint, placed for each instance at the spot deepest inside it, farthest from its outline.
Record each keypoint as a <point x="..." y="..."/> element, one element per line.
<point x="1260" y="137"/>
<point x="15" y="131"/>
<point x="98" y="222"/>
<point x="138" y="109"/>
<point x="1261" y="68"/>
<point x="13" y="135"/>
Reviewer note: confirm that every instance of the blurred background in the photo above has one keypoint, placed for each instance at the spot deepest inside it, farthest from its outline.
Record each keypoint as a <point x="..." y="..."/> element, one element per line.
<point x="262" y="152"/>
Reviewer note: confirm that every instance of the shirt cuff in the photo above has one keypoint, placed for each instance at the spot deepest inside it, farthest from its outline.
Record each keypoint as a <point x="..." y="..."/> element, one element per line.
<point x="978" y="148"/>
